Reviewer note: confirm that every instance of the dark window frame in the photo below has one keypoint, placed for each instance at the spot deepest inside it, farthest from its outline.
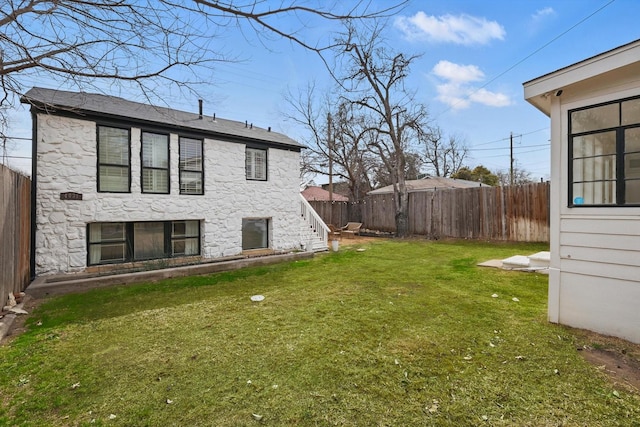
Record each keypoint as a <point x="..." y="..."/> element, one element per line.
<point x="143" y="167"/>
<point x="182" y="169"/>
<point x="620" y="180"/>
<point x="268" y="223"/>
<point x="129" y="241"/>
<point x="99" y="164"/>
<point x="253" y="148"/>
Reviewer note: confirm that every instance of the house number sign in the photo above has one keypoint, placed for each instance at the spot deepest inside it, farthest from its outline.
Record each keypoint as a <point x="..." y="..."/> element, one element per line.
<point x="70" y="196"/>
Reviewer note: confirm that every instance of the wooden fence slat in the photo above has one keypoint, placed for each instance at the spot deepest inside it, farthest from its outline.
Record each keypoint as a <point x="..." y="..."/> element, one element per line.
<point x="15" y="232"/>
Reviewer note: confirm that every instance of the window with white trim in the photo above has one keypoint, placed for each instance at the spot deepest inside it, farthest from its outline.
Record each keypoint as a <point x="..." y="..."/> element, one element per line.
<point x="191" y="166"/>
<point x="256" y="164"/>
<point x="114" y="166"/>
<point x="155" y="163"/>
<point x="604" y="154"/>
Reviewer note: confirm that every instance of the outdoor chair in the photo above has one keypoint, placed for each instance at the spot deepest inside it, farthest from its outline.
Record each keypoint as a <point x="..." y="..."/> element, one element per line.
<point x="334" y="232"/>
<point x="351" y="229"/>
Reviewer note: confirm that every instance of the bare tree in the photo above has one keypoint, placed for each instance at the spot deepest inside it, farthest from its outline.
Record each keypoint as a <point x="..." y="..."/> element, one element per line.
<point x="374" y="83"/>
<point x="442" y="156"/>
<point x="336" y="133"/>
<point x="520" y="176"/>
<point x="382" y="178"/>
<point x="144" y="43"/>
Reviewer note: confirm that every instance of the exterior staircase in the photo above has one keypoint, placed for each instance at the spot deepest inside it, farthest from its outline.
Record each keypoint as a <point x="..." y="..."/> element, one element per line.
<point x="314" y="233"/>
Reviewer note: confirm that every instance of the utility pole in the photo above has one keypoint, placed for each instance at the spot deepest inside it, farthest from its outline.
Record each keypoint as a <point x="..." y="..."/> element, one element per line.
<point x="330" y="149"/>
<point x="511" y="158"/>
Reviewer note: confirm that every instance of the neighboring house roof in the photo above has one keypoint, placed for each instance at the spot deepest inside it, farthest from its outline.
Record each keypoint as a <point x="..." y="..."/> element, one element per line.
<point x="104" y="106"/>
<point x="429" y="183"/>
<point x="610" y="66"/>
<point x="318" y="194"/>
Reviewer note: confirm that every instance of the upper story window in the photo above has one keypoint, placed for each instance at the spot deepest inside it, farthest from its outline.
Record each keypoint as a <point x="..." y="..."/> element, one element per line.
<point x="155" y="163"/>
<point x="191" y="166"/>
<point x="256" y="164"/>
<point x="114" y="167"/>
<point x="604" y="154"/>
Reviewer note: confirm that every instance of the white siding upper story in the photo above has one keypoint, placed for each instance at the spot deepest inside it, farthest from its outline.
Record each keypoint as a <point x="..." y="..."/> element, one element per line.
<point x="66" y="161"/>
<point x="594" y="280"/>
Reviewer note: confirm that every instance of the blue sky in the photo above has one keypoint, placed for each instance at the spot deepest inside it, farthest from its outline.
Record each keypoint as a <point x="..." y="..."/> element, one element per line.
<point x="475" y="57"/>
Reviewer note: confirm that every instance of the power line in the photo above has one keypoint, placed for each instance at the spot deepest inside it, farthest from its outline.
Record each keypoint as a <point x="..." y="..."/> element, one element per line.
<point x="507" y="138"/>
<point x="505" y="148"/>
<point x="16" y="137"/>
<point x="525" y="58"/>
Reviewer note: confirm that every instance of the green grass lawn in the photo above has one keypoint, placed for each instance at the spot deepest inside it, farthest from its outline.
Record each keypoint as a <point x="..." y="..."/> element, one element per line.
<point x="404" y="333"/>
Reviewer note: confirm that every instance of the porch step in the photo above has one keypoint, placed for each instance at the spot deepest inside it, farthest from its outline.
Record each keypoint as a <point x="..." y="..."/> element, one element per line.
<point x="537" y="261"/>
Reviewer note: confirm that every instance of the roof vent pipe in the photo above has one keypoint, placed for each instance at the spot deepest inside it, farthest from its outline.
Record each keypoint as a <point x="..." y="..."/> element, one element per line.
<point x="200" y="109"/>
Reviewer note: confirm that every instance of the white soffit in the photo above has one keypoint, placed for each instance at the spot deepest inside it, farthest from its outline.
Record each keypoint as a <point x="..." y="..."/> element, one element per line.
<point x="538" y="90"/>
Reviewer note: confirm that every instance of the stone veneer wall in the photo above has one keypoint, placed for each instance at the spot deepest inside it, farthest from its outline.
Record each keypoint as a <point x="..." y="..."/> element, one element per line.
<point x="66" y="157"/>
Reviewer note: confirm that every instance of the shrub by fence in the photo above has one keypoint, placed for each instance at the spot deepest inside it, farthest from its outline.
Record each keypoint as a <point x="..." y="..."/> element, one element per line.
<point x="15" y="236"/>
<point x="512" y="213"/>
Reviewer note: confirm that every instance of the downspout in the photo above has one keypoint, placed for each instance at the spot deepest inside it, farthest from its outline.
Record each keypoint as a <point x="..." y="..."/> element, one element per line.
<point x="34" y="179"/>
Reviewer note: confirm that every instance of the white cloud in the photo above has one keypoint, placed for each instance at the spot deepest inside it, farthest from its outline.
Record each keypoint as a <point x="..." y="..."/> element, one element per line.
<point x="457" y="91"/>
<point x="461" y="29"/>
<point x="543" y="13"/>
<point x="458" y="73"/>
<point x="492" y="99"/>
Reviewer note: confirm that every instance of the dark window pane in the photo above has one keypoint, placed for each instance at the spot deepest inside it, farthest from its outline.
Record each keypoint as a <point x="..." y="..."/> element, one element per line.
<point x="255" y="233"/>
<point x="256" y="164"/>
<point x="191" y="183"/>
<point x="594" y="145"/>
<point x="113" y="146"/>
<point x="155" y="150"/>
<point x="114" y="178"/>
<point x="594" y="193"/>
<point x="603" y="117"/>
<point x="155" y="180"/>
<point x="631" y="112"/>
<point x="632" y="192"/>
<point x="191" y="154"/>
<point x="148" y="240"/>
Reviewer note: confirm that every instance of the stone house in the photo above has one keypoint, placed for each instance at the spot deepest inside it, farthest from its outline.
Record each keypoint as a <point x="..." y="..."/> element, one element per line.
<point x="117" y="183"/>
<point x="594" y="107"/>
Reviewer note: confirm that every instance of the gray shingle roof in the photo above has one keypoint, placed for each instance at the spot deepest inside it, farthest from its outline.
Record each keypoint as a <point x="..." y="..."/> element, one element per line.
<point x="429" y="183"/>
<point x="107" y="106"/>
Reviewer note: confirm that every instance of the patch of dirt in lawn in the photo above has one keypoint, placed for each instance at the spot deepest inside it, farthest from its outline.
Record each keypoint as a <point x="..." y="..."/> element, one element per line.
<point x="617" y="358"/>
<point x="18" y="325"/>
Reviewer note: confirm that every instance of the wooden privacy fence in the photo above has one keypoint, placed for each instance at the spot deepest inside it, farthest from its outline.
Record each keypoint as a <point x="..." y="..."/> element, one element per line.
<point x="512" y="213"/>
<point x="15" y="236"/>
<point x="337" y="213"/>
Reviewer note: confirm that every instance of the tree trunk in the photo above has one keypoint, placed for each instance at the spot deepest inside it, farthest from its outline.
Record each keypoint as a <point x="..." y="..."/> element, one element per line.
<point x="402" y="208"/>
<point x="402" y="213"/>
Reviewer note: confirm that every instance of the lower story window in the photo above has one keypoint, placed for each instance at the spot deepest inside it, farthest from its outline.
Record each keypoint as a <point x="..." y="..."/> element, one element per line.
<point x="117" y="242"/>
<point x="255" y="233"/>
